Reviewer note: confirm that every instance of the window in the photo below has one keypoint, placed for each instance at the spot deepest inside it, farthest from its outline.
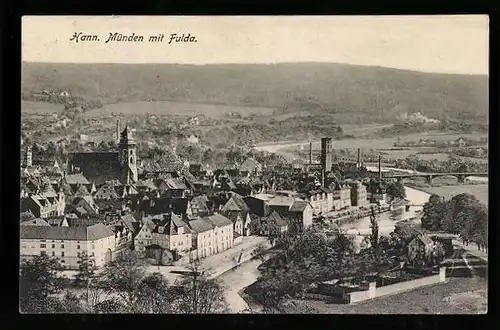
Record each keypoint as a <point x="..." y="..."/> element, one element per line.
<point x="23" y="246"/>
<point x="131" y="160"/>
<point x="42" y="246"/>
<point x="62" y="254"/>
<point x="78" y="247"/>
<point x="131" y="152"/>
<point x="78" y="254"/>
<point x="53" y="246"/>
<point x="53" y="254"/>
<point x="62" y="261"/>
<point x="62" y="246"/>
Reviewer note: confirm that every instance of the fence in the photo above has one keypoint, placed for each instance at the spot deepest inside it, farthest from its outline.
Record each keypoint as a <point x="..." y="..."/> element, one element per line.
<point x="374" y="292"/>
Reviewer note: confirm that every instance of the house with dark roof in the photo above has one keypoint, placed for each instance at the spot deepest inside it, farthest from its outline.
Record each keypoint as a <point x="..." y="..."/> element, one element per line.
<point x="44" y="204"/>
<point x="298" y="212"/>
<point x="199" y="206"/>
<point x="176" y="188"/>
<point x="238" y="212"/>
<point x="272" y="224"/>
<point x="67" y="243"/>
<point x="107" y="191"/>
<point x="151" y="206"/>
<point x="419" y="248"/>
<point x="168" y="231"/>
<point x="86" y="202"/>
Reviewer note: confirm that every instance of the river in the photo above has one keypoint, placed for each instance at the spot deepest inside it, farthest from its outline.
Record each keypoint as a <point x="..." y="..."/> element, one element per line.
<point x="247" y="272"/>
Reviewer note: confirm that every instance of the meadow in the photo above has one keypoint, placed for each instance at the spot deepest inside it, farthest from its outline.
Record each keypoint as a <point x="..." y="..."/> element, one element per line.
<point x="478" y="190"/>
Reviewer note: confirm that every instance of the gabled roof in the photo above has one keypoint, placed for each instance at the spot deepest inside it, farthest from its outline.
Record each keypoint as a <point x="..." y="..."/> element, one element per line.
<point x="76" y="179"/>
<point x="235" y="203"/>
<point x="200" y="225"/>
<point x="82" y="191"/>
<point x="218" y="220"/>
<point x="274" y="217"/>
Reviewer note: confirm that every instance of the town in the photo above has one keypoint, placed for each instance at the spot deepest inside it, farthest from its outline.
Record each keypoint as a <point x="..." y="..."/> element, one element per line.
<point x="93" y="208"/>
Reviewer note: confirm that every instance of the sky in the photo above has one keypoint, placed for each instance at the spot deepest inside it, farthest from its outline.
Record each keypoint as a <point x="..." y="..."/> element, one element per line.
<point x="443" y="44"/>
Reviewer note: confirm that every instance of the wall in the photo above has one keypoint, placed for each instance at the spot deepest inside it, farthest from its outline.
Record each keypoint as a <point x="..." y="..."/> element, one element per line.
<point x="374" y="292"/>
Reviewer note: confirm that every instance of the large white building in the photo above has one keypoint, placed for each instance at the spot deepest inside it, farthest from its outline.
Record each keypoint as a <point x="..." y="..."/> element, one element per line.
<point x="67" y="243"/>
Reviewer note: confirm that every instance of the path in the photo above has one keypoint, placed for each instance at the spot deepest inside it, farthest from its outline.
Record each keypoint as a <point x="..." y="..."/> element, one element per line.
<point x="472" y="249"/>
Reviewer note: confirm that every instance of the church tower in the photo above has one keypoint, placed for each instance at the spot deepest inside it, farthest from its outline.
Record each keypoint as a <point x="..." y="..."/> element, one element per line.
<point x="128" y="157"/>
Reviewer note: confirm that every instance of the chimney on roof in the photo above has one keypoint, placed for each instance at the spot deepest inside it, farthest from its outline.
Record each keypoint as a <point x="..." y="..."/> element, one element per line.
<point x="359" y="157"/>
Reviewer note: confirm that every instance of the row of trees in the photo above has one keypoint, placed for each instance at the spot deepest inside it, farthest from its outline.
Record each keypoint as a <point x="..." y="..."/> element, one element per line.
<point x="463" y="214"/>
<point x="452" y="164"/>
<point x="124" y="286"/>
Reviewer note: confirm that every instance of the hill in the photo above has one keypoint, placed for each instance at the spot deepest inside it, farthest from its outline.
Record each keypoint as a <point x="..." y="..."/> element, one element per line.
<point x="345" y="93"/>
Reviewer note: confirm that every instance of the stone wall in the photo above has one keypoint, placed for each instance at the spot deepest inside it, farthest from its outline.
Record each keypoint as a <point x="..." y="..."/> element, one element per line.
<point x="374" y="292"/>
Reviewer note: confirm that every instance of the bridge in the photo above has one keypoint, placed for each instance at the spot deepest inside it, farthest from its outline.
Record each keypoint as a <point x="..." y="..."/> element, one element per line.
<point x="430" y="176"/>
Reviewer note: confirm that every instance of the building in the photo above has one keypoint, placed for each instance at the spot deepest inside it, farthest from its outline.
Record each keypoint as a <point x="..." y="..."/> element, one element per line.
<point x="203" y="237"/>
<point x="321" y="200"/>
<point x="359" y="196"/>
<point x="298" y="212"/>
<point x="168" y="231"/>
<point x="44" y="204"/>
<point x="238" y="212"/>
<point x="274" y="221"/>
<point x="67" y="243"/>
<point x="326" y="154"/>
<point x="99" y="167"/>
<point x="419" y="248"/>
<point x="223" y="232"/>
<point x="341" y="197"/>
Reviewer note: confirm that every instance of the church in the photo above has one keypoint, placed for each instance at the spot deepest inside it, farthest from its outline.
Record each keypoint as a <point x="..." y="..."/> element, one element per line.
<point x="99" y="167"/>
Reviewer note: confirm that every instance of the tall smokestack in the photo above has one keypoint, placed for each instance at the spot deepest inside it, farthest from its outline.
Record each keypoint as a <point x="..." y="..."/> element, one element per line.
<point x="380" y="167"/>
<point x="117" y="130"/>
<point x="310" y="153"/>
<point x="359" y="157"/>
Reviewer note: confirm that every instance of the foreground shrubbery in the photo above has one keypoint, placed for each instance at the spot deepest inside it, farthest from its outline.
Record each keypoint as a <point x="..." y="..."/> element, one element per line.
<point x="123" y="287"/>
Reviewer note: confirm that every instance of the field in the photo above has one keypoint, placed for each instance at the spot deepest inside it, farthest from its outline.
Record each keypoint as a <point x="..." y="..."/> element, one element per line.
<point x="478" y="190"/>
<point x="32" y="108"/>
<point x="384" y="143"/>
<point x="456" y="296"/>
<point x="176" y="108"/>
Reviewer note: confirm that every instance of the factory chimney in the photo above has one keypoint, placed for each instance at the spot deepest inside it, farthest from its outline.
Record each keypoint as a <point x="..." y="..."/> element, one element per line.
<point x="380" y="168"/>
<point x="310" y="153"/>
<point x="118" y="131"/>
<point x="359" y="157"/>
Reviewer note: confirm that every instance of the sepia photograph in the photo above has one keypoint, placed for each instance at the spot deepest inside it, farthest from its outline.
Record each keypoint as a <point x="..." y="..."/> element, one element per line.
<point x="254" y="164"/>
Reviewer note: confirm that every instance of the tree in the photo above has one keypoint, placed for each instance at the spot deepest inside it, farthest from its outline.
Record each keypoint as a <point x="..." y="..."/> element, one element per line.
<point x="374" y="237"/>
<point x="433" y="213"/>
<point x="123" y="276"/>
<point x="38" y="284"/>
<point x="153" y="295"/>
<point x="200" y="294"/>
<point x="85" y="275"/>
<point x="396" y="190"/>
